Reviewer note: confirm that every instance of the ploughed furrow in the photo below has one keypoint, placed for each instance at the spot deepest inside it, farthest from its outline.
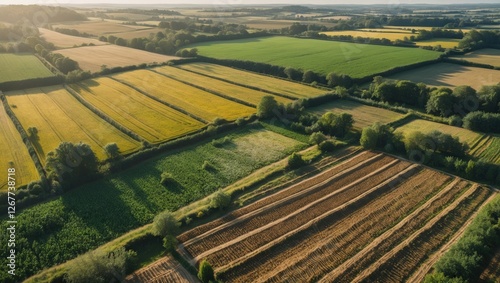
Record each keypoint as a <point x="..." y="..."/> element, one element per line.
<point x="327" y="236"/>
<point x="359" y="229"/>
<point x="277" y="210"/>
<point x="355" y="265"/>
<point x="296" y="188"/>
<point x="164" y="270"/>
<point x="323" y="206"/>
<point x="402" y="261"/>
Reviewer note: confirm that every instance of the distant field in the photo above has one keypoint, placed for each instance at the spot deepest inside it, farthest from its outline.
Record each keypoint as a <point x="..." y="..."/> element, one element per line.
<point x="231" y="90"/>
<point x="483" y="56"/>
<point x="148" y="118"/>
<point x="91" y="58"/>
<point x="129" y="16"/>
<point x="254" y="80"/>
<point x="17" y="67"/>
<point x="65" y="41"/>
<point x="487" y="149"/>
<point x="355" y="60"/>
<point x="363" y="115"/>
<point x="59" y="117"/>
<point x="193" y="100"/>
<point x="450" y="75"/>
<point x="361" y="33"/>
<point x="396" y="30"/>
<point x="14" y="154"/>
<point x="98" y="27"/>
<point x="138" y="33"/>
<point x="444" y="42"/>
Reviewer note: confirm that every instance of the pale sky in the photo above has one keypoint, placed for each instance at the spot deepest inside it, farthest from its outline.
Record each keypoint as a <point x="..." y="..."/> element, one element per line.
<point x="243" y="2"/>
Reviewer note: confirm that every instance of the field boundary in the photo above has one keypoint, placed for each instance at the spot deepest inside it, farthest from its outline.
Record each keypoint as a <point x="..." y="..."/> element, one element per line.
<point x="161" y="101"/>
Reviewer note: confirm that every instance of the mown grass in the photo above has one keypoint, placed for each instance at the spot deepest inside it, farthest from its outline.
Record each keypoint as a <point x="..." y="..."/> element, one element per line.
<point x="17" y="67"/>
<point x="363" y="115"/>
<point x="230" y="90"/>
<point x="96" y="213"/>
<point x="254" y="80"/>
<point x="193" y="100"/>
<point x="150" y="119"/>
<point x="355" y="60"/>
<point x="14" y="154"/>
<point x="59" y="117"/>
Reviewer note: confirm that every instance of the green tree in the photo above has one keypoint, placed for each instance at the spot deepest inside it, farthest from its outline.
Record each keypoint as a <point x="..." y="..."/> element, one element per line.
<point x="165" y="224"/>
<point x="295" y="161"/>
<point x="206" y="272"/>
<point x="441" y="102"/>
<point x="385" y="91"/>
<point x="309" y="76"/>
<point x="317" y="138"/>
<point x="220" y="199"/>
<point x="112" y="150"/>
<point x="292" y="73"/>
<point x="267" y="106"/>
<point x="336" y="124"/>
<point x="368" y="138"/>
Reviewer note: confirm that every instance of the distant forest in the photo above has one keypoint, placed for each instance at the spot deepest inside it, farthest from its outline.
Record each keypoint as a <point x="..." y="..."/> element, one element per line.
<point x="38" y="15"/>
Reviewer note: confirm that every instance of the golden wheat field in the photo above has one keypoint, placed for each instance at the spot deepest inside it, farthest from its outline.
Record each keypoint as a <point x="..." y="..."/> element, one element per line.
<point x="61" y="40"/>
<point x="360" y="33"/>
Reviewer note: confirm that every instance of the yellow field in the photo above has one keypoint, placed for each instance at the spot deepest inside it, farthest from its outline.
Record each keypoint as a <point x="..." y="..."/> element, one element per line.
<point x="396" y="30"/>
<point x="193" y="100"/>
<point x="98" y="27"/>
<point x="65" y="41"/>
<point x="14" y="154"/>
<point x="59" y="117"/>
<point x="138" y="33"/>
<point x="91" y="58"/>
<point x="424" y="126"/>
<point x="148" y="118"/>
<point x="444" y="42"/>
<point x="450" y="75"/>
<point x="363" y="115"/>
<point x="231" y="90"/>
<point x="483" y="56"/>
<point x="254" y="80"/>
<point x="359" y="33"/>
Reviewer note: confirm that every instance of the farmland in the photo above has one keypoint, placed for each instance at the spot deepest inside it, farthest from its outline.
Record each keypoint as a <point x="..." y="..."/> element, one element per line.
<point x="363" y="219"/>
<point x="66" y="41"/>
<point x="99" y="27"/>
<point x="101" y="211"/>
<point x="200" y="103"/>
<point x="111" y="56"/>
<point x="14" y="154"/>
<point x="391" y="35"/>
<point x="22" y="67"/>
<point x="254" y="80"/>
<point x="239" y="93"/>
<point x="59" y="117"/>
<point x="148" y="118"/>
<point x="163" y="270"/>
<point x="137" y="33"/>
<point x="363" y="115"/>
<point x="450" y="75"/>
<point x="483" y="56"/>
<point x="443" y="42"/>
<point x="355" y="60"/>
<point x="482" y="146"/>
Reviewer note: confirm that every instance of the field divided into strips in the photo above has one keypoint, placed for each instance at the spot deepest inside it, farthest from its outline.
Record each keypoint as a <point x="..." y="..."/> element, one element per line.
<point x="363" y="115"/>
<point x="17" y="67"/>
<point x="200" y="103"/>
<point x="485" y="147"/>
<point x="14" y="154"/>
<point x="321" y="56"/>
<point x="483" y="56"/>
<point x="150" y="119"/>
<point x="350" y="216"/>
<point x="59" y="117"/>
<point x="238" y="93"/>
<point x="165" y="270"/>
<point x="253" y="80"/>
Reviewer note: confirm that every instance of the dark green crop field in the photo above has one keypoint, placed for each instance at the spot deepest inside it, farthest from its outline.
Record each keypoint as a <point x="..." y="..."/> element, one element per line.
<point x="355" y="60"/>
<point x="17" y="67"/>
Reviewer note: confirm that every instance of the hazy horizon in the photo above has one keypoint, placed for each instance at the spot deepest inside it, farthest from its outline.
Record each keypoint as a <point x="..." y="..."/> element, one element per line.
<point x="246" y="2"/>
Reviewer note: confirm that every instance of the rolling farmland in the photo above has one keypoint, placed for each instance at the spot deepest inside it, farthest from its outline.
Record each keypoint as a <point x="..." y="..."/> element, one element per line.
<point x="166" y="270"/>
<point x="14" y="154"/>
<point x="200" y="103"/>
<point x="444" y="42"/>
<point x="148" y="118"/>
<point x="355" y="60"/>
<point x="363" y="115"/>
<point x="389" y="34"/>
<point x="450" y="75"/>
<point x="265" y="83"/>
<point x="61" y="40"/>
<point x="363" y="219"/>
<point x="239" y="93"/>
<point x="111" y="56"/>
<point x="98" y="26"/>
<point x="59" y="117"/>
<point x="483" y="56"/>
<point x="19" y="67"/>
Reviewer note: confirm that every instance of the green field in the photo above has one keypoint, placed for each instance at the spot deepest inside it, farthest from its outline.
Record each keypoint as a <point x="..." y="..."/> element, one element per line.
<point x="363" y="115"/>
<point x="17" y="67"/>
<point x="487" y="149"/>
<point x="355" y="60"/>
<point x="82" y="219"/>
